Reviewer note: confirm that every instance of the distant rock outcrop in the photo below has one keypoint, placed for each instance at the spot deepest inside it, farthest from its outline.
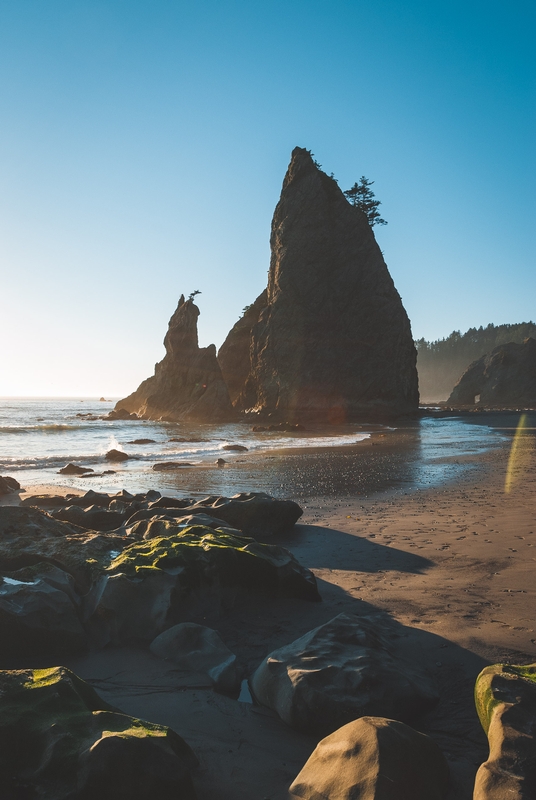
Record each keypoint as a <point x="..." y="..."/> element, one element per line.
<point x="504" y="377"/>
<point x="333" y="340"/>
<point x="187" y="383"/>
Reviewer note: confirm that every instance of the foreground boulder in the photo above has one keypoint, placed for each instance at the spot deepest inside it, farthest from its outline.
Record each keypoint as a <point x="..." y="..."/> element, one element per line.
<point x="191" y="572"/>
<point x="374" y="758"/>
<point x="504" y="377"/>
<point x="187" y="383"/>
<point x="60" y="741"/>
<point x="198" y="650"/>
<point x="254" y="513"/>
<point x="29" y="536"/>
<point x="505" y="697"/>
<point x="333" y="340"/>
<point x="338" y="672"/>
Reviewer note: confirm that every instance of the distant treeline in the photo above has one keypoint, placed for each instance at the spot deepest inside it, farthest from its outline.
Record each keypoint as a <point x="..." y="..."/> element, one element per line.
<point x="440" y="364"/>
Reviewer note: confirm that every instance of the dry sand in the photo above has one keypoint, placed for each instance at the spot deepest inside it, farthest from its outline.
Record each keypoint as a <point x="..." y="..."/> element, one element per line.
<point x="452" y="566"/>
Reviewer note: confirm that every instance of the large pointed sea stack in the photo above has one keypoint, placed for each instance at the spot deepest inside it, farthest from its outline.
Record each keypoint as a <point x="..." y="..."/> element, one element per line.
<point x="333" y="341"/>
<point x="187" y="384"/>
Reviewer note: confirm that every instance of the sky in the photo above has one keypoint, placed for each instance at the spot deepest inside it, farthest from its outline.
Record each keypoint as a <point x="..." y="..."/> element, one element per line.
<point x="143" y="144"/>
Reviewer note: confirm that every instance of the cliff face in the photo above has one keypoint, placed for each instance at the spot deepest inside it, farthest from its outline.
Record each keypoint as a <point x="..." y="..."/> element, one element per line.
<point x="333" y="340"/>
<point x="234" y="354"/>
<point x="504" y="377"/>
<point x="187" y="383"/>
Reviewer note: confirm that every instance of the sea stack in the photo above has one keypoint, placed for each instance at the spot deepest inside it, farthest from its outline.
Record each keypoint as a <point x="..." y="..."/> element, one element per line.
<point x="504" y="377"/>
<point x="333" y="340"/>
<point x="187" y="384"/>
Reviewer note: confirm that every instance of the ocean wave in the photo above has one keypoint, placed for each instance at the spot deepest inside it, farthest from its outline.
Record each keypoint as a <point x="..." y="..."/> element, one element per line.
<point x="52" y="427"/>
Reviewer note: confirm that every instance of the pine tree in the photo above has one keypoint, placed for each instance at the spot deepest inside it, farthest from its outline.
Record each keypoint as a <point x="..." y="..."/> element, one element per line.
<point x="362" y="196"/>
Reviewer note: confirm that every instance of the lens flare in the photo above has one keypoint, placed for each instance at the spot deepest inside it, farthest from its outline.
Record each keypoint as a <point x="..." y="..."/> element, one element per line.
<point x="520" y="455"/>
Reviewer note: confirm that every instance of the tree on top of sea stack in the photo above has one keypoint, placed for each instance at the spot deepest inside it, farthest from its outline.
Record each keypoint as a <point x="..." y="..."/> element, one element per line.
<point x="361" y="196"/>
<point x="187" y="384"/>
<point x="331" y="339"/>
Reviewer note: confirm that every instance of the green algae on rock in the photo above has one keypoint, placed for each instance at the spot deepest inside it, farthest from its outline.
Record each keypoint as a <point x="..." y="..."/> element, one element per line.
<point x="59" y="740"/>
<point x="204" y="554"/>
<point x="505" y="698"/>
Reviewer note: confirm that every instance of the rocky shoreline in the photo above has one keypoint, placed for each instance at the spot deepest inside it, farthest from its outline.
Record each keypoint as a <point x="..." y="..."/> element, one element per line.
<point x="413" y="584"/>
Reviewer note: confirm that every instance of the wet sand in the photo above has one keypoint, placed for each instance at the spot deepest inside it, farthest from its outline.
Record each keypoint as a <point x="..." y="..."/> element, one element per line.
<point x="452" y="565"/>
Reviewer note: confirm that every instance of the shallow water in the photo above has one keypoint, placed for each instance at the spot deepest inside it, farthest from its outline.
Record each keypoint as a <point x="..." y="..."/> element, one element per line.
<point x="38" y="437"/>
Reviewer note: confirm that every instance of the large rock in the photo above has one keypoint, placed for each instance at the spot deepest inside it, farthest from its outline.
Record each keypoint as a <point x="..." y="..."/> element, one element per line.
<point x="505" y="697"/>
<point x="29" y="536"/>
<point x="190" y="572"/>
<point x="504" y="377"/>
<point x="198" y="650"/>
<point x="374" y="758"/>
<point x="253" y="513"/>
<point x="92" y="518"/>
<point x="333" y="341"/>
<point x="8" y="485"/>
<point x="60" y="741"/>
<point x="39" y="613"/>
<point x="234" y="354"/>
<point x="187" y="384"/>
<point x="337" y="672"/>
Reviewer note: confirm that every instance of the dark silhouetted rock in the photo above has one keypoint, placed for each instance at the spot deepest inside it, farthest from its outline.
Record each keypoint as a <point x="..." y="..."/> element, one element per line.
<point x="254" y="513"/>
<point x="93" y="518"/>
<point x="170" y="502"/>
<point x="239" y="448"/>
<point x="221" y="462"/>
<point x="8" y="485"/>
<point x="505" y="697"/>
<point x="142" y="441"/>
<point x="61" y="740"/>
<point x="234" y="354"/>
<point x="45" y="500"/>
<point x="333" y="341"/>
<point x="504" y="377"/>
<point x="374" y="758"/>
<point x="120" y="414"/>
<point x="187" y="384"/>
<point x="74" y="469"/>
<point x="164" y="466"/>
<point x="116" y="455"/>
<point x="196" y="649"/>
<point x="337" y="672"/>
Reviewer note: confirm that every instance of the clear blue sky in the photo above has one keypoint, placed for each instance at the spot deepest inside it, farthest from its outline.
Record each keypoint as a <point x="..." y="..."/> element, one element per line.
<point x="143" y="144"/>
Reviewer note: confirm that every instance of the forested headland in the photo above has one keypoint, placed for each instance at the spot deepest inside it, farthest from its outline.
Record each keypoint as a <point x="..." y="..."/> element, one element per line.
<point x="440" y="364"/>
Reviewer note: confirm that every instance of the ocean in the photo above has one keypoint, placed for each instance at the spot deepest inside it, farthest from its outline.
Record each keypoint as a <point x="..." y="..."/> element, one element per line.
<point x="40" y="436"/>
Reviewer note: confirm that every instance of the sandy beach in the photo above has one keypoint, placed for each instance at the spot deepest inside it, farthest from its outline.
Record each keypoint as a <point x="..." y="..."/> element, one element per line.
<point x="452" y="566"/>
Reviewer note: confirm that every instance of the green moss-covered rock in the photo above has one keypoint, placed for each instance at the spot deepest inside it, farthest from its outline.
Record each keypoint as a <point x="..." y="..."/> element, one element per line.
<point x="201" y="554"/>
<point x="59" y="740"/>
<point x="505" y="697"/>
